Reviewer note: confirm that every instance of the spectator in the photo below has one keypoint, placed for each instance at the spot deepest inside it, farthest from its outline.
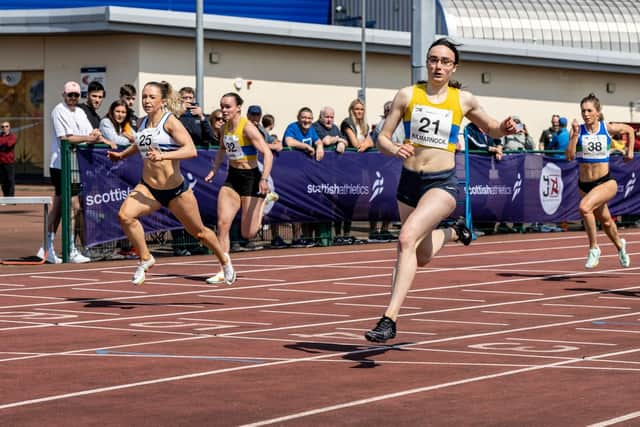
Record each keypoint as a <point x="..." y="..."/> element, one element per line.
<point x="547" y="134"/>
<point x="216" y="120"/>
<point x="560" y="140"/>
<point x="520" y="141"/>
<point x="254" y="114"/>
<point x="355" y="127"/>
<point x="69" y="123"/>
<point x="194" y="119"/>
<point x="8" y="142"/>
<point x="114" y="124"/>
<point x="398" y="134"/>
<point x="128" y="95"/>
<point x="327" y="130"/>
<point x="95" y="96"/>
<point x="300" y="135"/>
<point x="382" y="234"/>
<point x="476" y="139"/>
<point x="268" y="121"/>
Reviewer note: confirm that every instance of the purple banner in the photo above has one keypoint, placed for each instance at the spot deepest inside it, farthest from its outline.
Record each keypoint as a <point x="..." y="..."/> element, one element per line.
<point x="357" y="186"/>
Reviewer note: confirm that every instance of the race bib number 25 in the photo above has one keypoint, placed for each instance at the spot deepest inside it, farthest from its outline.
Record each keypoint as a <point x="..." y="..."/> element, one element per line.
<point x="430" y="127"/>
<point x="145" y="139"/>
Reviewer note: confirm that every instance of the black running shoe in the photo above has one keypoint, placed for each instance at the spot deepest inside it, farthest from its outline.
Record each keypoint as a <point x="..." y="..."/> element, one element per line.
<point x="464" y="234"/>
<point x="384" y="330"/>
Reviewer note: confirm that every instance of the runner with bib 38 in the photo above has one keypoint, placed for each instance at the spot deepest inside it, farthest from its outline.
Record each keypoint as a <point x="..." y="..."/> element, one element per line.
<point x="431" y="113"/>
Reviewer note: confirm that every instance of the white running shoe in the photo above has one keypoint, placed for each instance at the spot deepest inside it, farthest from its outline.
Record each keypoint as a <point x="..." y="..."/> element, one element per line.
<point x="52" y="258"/>
<point x="218" y="278"/>
<point x="141" y="270"/>
<point x="229" y="272"/>
<point x="593" y="258"/>
<point x="75" y="257"/>
<point x="623" y="257"/>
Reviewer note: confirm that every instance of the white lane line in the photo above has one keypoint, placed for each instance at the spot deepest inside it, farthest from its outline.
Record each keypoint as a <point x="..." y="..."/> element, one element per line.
<point x="32" y="296"/>
<point x="11" y="285"/>
<point x="562" y="342"/>
<point x="449" y="299"/>
<point x="417" y="390"/>
<point x="405" y="307"/>
<point x="180" y="305"/>
<point x="308" y="292"/>
<point x="224" y="321"/>
<point x="616" y="420"/>
<point x="261" y="279"/>
<point x="303" y="313"/>
<point x="503" y="292"/>
<point x="65" y="278"/>
<point x="242" y="298"/>
<point x="518" y="313"/>
<point x="461" y="321"/>
<point x="403" y="331"/>
<point x="622" y="331"/>
<point x="628" y="299"/>
<point x="589" y="306"/>
<point x="365" y="284"/>
<point x="76" y="311"/>
<point x="113" y="291"/>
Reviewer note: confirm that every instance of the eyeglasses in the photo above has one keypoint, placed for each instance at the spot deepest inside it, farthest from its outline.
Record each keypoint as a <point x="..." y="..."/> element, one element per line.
<point x="4" y="126"/>
<point x="446" y="62"/>
<point x="72" y="95"/>
<point x="219" y="119"/>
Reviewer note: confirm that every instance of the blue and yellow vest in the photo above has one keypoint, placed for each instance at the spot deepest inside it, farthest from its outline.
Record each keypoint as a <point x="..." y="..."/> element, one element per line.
<point x="235" y="144"/>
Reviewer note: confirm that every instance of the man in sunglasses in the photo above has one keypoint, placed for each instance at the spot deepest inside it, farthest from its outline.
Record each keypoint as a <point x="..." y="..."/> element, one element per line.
<point x="69" y="122"/>
<point x="7" y="160"/>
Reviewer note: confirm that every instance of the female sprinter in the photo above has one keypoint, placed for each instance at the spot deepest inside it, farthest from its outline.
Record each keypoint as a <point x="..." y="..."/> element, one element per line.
<point x="246" y="186"/>
<point x="432" y="112"/>
<point x="590" y="144"/>
<point x="163" y="142"/>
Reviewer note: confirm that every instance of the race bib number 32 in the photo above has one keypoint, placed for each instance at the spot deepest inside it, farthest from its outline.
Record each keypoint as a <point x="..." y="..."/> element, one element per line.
<point x="430" y="127"/>
<point x="232" y="145"/>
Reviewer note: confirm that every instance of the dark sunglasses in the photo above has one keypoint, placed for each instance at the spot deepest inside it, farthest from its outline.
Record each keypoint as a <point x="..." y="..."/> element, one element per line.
<point x="219" y="119"/>
<point x="72" y="95"/>
<point x="4" y="126"/>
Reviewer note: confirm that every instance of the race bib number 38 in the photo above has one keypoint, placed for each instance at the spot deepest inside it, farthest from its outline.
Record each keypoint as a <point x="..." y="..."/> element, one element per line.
<point x="430" y="127"/>
<point x="594" y="147"/>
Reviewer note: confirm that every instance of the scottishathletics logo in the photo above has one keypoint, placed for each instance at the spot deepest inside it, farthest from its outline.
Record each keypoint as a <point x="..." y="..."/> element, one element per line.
<point x="516" y="187"/>
<point x="551" y="187"/>
<point x="377" y="187"/>
<point x="630" y="184"/>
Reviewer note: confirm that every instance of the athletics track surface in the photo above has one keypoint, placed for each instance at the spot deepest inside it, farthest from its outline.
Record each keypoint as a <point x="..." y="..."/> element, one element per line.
<point x="509" y="331"/>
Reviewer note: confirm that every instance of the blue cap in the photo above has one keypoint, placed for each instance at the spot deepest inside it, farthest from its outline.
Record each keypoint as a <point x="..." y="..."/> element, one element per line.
<point x="563" y="121"/>
<point x="254" y="109"/>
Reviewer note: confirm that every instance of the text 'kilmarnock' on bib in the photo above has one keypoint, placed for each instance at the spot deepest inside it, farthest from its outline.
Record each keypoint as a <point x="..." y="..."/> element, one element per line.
<point x="430" y="127"/>
<point x="594" y="147"/>
<point x="232" y="145"/>
<point x="146" y="140"/>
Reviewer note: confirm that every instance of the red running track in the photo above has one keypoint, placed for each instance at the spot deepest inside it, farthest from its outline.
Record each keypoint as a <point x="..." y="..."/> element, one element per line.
<point x="509" y="331"/>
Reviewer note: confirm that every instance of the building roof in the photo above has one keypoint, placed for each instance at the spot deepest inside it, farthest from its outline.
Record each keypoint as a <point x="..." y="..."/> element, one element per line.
<point x="611" y="25"/>
<point x="476" y="45"/>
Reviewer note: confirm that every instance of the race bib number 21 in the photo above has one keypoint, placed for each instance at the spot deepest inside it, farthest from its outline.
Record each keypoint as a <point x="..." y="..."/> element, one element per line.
<point x="430" y="127"/>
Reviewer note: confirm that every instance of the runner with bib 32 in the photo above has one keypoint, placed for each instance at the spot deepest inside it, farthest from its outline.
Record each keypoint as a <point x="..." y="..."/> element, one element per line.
<point x="432" y="113"/>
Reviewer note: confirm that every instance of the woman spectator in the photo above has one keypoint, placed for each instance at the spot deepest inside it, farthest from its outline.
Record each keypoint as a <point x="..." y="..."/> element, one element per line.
<point x="217" y="122"/>
<point x="116" y="127"/>
<point x="355" y="127"/>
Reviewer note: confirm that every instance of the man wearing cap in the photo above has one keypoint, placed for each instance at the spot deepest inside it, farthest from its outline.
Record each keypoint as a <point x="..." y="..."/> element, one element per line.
<point x="560" y="139"/>
<point x="254" y="114"/>
<point x="8" y="142"/>
<point x="68" y="123"/>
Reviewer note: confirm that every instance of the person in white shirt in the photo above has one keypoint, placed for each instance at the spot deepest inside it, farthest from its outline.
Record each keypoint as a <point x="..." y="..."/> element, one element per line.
<point x="68" y="123"/>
